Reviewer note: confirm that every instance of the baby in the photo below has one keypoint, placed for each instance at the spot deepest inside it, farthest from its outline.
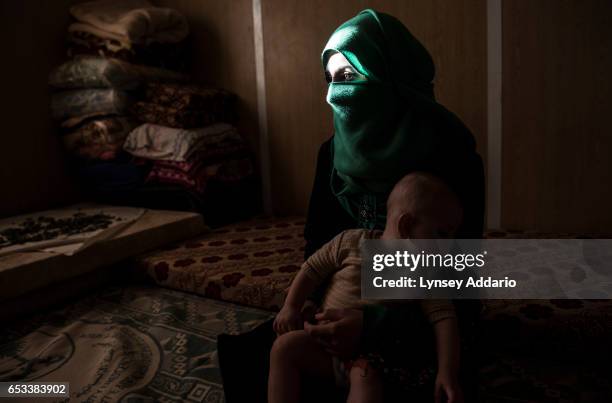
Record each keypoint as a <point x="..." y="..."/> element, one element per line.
<point x="419" y="206"/>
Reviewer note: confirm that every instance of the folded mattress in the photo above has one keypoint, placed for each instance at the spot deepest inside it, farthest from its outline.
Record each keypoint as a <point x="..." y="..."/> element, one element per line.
<point x="250" y="263"/>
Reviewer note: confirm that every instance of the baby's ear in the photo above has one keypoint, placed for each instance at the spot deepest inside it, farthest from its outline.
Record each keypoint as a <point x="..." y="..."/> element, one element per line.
<point x="404" y="225"/>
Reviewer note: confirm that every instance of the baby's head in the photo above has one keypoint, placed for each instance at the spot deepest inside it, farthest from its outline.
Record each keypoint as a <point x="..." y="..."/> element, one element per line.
<point x="422" y="206"/>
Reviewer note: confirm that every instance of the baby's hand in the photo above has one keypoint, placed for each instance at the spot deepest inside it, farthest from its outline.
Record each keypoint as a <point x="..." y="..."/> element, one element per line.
<point x="289" y="318"/>
<point x="447" y="389"/>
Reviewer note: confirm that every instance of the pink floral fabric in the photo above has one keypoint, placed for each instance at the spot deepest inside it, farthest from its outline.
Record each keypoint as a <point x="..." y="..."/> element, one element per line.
<point x="251" y="263"/>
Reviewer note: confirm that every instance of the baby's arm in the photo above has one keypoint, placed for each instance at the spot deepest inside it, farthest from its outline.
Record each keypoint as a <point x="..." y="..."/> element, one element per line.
<point x="290" y="318"/>
<point x="447" y="346"/>
<point x="314" y="271"/>
<point x="301" y="287"/>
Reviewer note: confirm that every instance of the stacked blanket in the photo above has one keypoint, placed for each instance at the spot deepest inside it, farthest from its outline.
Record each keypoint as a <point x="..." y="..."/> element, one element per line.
<point x="183" y="136"/>
<point x="100" y="72"/>
<point x="184" y="106"/>
<point x="129" y="22"/>
<point x="95" y="92"/>
<point x="139" y="132"/>
<point x="88" y="102"/>
<point x="131" y="30"/>
<point x="190" y="158"/>
<point x="164" y="143"/>
<point x="104" y="76"/>
<point x="99" y="138"/>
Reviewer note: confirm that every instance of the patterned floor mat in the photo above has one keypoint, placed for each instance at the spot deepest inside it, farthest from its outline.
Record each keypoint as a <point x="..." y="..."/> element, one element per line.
<point x="127" y="344"/>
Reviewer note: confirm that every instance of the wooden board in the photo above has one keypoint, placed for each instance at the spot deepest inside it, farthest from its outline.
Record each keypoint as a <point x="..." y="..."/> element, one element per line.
<point x="557" y="98"/>
<point x="24" y="272"/>
<point x="299" y="119"/>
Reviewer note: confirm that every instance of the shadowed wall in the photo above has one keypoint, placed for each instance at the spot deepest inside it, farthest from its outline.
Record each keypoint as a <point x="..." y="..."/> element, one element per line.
<point x="557" y="99"/>
<point x="32" y="172"/>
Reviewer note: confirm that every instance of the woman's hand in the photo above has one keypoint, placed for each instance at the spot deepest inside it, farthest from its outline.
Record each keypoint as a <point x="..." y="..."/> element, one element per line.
<point x="338" y="330"/>
<point x="289" y="318"/>
<point x="447" y="389"/>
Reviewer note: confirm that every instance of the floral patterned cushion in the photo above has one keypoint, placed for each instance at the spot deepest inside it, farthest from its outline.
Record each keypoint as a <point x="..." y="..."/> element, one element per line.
<point x="546" y="351"/>
<point x="250" y="263"/>
<point x="548" y="323"/>
<point x="510" y="321"/>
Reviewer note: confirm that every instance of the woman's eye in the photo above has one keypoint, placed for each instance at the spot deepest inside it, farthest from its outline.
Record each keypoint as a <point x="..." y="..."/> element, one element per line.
<point x="340" y="76"/>
<point x="348" y="75"/>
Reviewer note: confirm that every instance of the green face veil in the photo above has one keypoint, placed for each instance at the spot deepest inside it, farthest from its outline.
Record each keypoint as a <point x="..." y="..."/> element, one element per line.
<point x="376" y="133"/>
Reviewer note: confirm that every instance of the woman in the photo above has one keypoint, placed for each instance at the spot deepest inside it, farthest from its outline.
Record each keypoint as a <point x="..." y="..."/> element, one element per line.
<point x="386" y="124"/>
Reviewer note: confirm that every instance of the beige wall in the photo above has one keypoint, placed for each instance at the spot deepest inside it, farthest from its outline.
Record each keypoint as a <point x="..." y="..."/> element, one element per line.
<point x="557" y="141"/>
<point x="299" y="120"/>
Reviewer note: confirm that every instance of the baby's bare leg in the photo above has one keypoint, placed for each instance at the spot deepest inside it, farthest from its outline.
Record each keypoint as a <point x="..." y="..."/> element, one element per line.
<point x="365" y="384"/>
<point x="294" y="355"/>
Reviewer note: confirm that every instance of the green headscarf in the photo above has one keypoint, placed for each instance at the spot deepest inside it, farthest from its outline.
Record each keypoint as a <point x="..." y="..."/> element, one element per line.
<point x="376" y="133"/>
